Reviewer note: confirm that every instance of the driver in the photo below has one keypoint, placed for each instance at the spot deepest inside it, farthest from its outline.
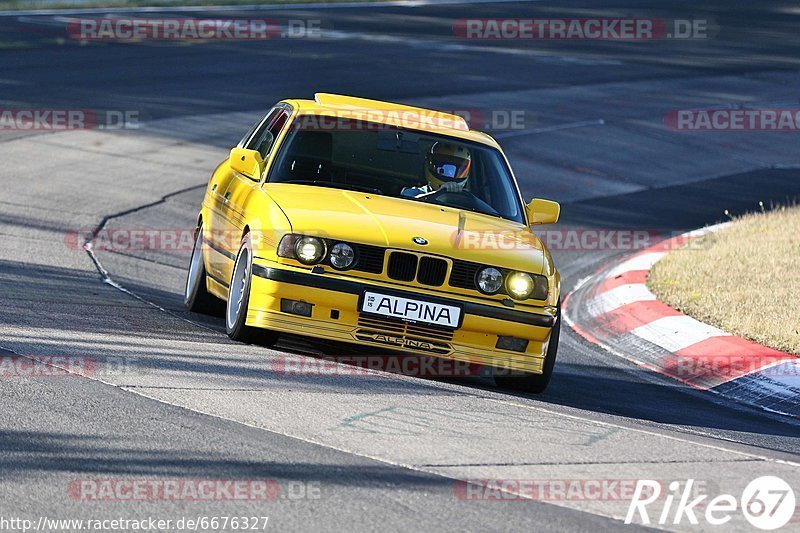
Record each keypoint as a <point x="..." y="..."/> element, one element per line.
<point x="446" y="168"/>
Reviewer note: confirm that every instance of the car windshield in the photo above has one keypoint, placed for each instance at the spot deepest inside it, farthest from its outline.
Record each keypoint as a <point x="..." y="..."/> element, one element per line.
<point x="391" y="161"/>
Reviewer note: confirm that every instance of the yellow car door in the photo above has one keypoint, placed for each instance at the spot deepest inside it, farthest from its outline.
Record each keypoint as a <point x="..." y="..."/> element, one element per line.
<point x="241" y="186"/>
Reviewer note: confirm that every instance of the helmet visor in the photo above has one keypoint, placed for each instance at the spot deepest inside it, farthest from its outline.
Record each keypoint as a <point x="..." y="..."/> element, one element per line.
<point x="449" y="168"/>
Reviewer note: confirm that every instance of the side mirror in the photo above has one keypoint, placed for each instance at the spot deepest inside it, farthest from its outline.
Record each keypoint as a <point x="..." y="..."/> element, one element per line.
<point x="247" y="162"/>
<point x="543" y="212"/>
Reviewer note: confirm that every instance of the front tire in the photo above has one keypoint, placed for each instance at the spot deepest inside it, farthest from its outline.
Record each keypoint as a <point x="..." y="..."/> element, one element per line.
<point x="536" y="383"/>
<point x="196" y="297"/>
<point x="239" y="300"/>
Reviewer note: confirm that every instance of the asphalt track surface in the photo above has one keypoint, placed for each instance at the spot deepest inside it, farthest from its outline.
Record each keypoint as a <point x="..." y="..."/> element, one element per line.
<point x="384" y="450"/>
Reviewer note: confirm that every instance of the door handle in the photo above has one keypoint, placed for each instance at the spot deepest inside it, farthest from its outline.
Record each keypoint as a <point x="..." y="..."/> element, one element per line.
<point x="227" y="196"/>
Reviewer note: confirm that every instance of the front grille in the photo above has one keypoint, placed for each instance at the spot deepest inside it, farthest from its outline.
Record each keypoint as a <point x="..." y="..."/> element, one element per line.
<point x="400" y="335"/>
<point x="432" y="271"/>
<point x="402" y="266"/>
<point x="463" y="274"/>
<point x="398" y="327"/>
<point x="370" y="258"/>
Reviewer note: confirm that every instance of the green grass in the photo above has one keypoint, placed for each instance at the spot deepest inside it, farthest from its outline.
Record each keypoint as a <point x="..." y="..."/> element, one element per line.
<point x="744" y="279"/>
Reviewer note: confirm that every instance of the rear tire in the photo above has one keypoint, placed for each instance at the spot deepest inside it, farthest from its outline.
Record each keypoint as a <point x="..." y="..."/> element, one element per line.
<point x="196" y="297"/>
<point x="239" y="299"/>
<point x="536" y="383"/>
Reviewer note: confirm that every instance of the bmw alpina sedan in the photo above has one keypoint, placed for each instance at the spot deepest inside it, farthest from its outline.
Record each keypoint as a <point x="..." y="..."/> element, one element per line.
<point x="383" y="225"/>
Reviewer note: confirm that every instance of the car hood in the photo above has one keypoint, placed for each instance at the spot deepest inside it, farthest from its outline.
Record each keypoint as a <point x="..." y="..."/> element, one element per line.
<point x="393" y="223"/>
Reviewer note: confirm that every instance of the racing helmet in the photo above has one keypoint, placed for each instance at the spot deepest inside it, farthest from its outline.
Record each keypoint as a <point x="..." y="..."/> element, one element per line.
<point x="447" y="163"/>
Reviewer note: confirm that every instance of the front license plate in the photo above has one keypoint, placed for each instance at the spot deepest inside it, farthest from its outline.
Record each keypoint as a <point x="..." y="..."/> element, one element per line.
<point x="413" y="310"/>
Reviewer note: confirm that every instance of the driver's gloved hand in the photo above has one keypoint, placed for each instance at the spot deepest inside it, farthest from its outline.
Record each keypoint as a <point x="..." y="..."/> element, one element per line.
<point x="452" y="186"/>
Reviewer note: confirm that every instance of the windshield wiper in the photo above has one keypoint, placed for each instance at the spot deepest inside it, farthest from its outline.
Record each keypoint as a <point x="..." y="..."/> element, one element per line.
<point x="337" y="185"/>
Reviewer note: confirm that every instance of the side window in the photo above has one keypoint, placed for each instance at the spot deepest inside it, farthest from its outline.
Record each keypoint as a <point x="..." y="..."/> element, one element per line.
<point x="249" y="134"/>
<point x="265" y="138"/>
<point x="250" y="141"/>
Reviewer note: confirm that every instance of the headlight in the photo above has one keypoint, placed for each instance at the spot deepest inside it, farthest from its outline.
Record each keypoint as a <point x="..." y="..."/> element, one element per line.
<point x="342" y="256"/>
<point x="522" y="286"/>
<point x="309" y="250"/>
<point x="519" y="285"/>
<point x="489" y="280"/>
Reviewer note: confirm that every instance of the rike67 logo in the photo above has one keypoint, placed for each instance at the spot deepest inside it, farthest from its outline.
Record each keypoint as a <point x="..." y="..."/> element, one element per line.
<point x="768" y="503"/>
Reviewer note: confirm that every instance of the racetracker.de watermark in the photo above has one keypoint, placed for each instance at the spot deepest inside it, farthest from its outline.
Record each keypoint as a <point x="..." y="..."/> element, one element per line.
<point x="68" y="119"/>
<point x="56" y="366"/>
<point x="568" y="239"/>
<point x="139" y="239"/>
<point x="366" y="365"/>
<point x="583" y="29"/>
<point x="191" y="490"/>
<point x="579" y="489"/>
<point x="733" y="365"/>
<point x="762" y="119"/>
<point x="190" y="29"/>
<point x="20" y="366"/>
<point x="388" y="119"/>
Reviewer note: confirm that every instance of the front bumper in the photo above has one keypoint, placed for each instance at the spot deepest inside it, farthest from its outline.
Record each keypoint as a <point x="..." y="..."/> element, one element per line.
<point x="335" y="315"/>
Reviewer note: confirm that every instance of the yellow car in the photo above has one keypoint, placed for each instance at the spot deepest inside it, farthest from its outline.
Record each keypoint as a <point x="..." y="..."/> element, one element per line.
<point x="383" y="225"/>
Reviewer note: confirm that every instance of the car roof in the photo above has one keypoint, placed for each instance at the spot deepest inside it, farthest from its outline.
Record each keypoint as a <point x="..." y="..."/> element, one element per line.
<point x="401" y="115"/>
